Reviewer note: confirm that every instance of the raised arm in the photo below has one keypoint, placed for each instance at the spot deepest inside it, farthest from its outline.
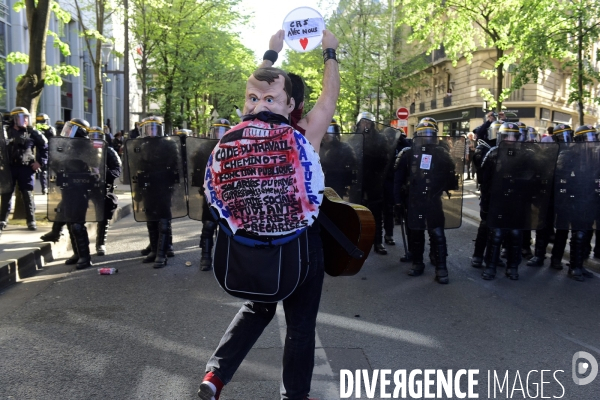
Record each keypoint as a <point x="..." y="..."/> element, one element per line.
<point x="316" y="122"/>
<point x="275" y="47"/>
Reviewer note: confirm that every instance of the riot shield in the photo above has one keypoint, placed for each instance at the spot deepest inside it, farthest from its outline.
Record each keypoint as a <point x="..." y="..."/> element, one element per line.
<point x="341" y="160"/>
<point x="522" y="185"/>
<point x="125" y="170"/>
<point x="436" y="182"/>
<point x="5" y="173"/>
<point x="157" y="178"/>
<point x="577" y="186"/>
<point x="197" y="153"/>
<point x="76" y="179"/>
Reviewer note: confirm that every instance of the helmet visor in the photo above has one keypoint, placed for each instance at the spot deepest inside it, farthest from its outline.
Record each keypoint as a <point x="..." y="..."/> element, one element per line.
<point x="533" y="137"/>
<point x="21" y="120"/>
<point x="218" y="131"/>
<point x="563" y="137"/>
<point x="97" y="135"/>
<point x="586" y="137"/>
<point x="493" y="131"/>
<point x="509" y="137"/>
<point x="334" y="129"/>
<point x="151" y="129"/>
<point x="71" y="130"/>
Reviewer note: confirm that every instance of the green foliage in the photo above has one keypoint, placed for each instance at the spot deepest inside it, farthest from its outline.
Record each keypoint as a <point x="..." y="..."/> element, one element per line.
<point x="17" y="58"/>
<point x="193" y="65"/>
<point x="54" y="73"/>
<point x="310" y="67"/>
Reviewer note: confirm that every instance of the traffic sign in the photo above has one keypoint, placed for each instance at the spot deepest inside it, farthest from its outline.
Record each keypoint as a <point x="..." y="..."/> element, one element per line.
<point x="402" y="123"/>
<point x="402" y="113"/>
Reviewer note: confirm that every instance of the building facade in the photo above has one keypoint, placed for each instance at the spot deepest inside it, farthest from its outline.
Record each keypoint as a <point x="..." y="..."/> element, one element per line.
<point x="75" y="98"/>
<point x="451" y="96"/>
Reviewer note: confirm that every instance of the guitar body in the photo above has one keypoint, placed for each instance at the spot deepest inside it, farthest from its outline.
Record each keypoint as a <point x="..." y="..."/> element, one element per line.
<point x="357" y="223"/>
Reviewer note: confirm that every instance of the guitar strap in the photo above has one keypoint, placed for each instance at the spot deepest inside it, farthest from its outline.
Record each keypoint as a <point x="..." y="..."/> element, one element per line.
<point x="340" y="237"/>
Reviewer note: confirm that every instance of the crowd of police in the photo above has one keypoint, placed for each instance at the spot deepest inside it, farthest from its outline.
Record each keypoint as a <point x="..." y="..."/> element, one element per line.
<point x="526" y="183"/>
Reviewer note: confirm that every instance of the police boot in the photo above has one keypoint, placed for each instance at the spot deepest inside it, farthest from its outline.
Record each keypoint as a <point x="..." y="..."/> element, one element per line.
<point x="101" y="234"/>
<point x="153" y="236"/>
<point x="55" y="234"/>
<point x="380" y="249"/>
<point x="163" y="242"/>
<point x="577" y="255"/>
<point x="418" y="247"/>
<point x="29" y="209"/>
<point x="480" y="243"/>
<point x="170" y="251"/>
<point x="514" y="259"/>
<point x="146" y="250"/>
<point x="441" y="252"/>
<point x="539" y="253"/>
<point x="206" y="259"/>
<point x="83" y="245"/>
<point x="73" y="259"/>
<point x="2" y="226"/>
<point x="492" y="257"/>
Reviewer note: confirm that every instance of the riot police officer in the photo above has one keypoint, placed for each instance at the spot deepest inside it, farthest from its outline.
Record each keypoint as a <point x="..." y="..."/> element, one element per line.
<point x="484" y="177"/>
<point x="76" y="198"/>
<point x="426" y="190"/>
<point x="113" y="171"/>
<point x="156" y="173"/>
<point x="48" y="131"/>
<point x="577" y="203"/>
<point x="209" y="224"/>
<point x="376" y="154"/>
<point x="21" y="141"/>
<point x="510" y="132"/>
<point x="337" y="159"/>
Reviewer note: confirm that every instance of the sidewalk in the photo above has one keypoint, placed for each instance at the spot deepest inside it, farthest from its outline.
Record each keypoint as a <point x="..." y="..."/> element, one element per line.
<point x="22" y="253"/>
<point x="471" y="211"/>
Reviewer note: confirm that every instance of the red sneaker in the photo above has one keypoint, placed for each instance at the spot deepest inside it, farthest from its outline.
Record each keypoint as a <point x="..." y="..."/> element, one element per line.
<point x="210" y="388"/>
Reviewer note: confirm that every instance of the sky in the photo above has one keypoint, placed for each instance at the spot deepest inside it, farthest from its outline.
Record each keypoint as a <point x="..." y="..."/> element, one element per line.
<point x="266" y="18"/>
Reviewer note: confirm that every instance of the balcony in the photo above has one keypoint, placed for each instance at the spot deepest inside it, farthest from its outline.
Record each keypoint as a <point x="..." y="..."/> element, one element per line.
<point x="447" y="101"/>
<point x="433" y="104"/>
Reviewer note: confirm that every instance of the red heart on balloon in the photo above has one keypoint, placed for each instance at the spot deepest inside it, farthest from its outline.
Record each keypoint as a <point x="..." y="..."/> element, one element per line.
<point x="304" y="43"/>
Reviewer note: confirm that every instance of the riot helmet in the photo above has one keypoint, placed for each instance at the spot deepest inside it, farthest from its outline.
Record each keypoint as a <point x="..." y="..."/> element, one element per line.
<point x="522" y="131"/>
<point x="20" y="116"/>
<point x="43" y="119"/>
<point x="431" y="120"/>
<point x="509" y="132"/>
<point x="334" y="127"/>
<point x="76" y="128"/>
<point x="585" y="133"/>
<point x="59" y="125"/>
<point x="365" y="122"/>
<point x="532" y="135"/>
<point x="563" y="133"/>
<point x="426" y="129"/>
<point x="493" y="130"/>
<point x="218" y="128"/>
<point x="152" y="127"/>
<point x="96" y="133"/>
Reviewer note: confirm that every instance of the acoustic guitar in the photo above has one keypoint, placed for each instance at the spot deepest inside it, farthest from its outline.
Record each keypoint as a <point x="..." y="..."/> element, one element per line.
<point x="358" y="225"/>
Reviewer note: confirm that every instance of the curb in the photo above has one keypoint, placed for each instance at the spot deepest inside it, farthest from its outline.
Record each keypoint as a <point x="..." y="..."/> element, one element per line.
<point x="33" y="258"/>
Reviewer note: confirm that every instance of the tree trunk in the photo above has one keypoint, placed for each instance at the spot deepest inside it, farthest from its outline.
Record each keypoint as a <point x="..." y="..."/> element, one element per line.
<point x="580" y="70"/>
<point x="499" y="79"/>
<point x="98" y="88"/>
<point x="29" y="88"/>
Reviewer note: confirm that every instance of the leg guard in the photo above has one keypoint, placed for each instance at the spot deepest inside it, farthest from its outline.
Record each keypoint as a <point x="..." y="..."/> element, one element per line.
<point x="101" y="235"/>
<point x="73" y="259"/>
<point x="164" y="226"/>
<point x="418" y="248"/>
<point x="492" y="258"/>
<point x="83" y="245"/>
<point x="153" y="236"/>
<point x="438" y="240"/>
<point x="206" y="244"/>
<point x="578" y="239"/>
<point x="515" y="245"/>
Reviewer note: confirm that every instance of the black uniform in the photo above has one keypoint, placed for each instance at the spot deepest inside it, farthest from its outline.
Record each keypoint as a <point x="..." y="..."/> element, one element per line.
<point x="48" y="133"/>
<point x="113" y="171"/>
<point x="20" y="144"/>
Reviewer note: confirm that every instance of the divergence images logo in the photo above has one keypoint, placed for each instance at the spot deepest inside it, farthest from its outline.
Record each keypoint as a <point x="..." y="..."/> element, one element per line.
<point x="581" y="367"/>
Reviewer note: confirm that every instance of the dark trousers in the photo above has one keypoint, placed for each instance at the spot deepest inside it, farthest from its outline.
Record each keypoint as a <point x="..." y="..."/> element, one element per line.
<point x="376" y="208"/>
<point x="24" y="176"/>
<point x="388" y="208"/>
<point x="301" y="309"/>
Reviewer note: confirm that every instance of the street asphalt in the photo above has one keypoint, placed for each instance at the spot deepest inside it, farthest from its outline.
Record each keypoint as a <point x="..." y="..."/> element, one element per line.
<point x="147" y="334"/>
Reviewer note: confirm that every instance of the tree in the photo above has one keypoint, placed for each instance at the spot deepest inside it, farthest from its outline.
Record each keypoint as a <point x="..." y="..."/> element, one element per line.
<point x="464" y="26"/>
<point x="93" y="17"/>
<point x="31" y="84"/>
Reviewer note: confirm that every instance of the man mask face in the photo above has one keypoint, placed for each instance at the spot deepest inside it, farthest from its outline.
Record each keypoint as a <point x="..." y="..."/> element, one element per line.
<point x="262" y="96"/>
